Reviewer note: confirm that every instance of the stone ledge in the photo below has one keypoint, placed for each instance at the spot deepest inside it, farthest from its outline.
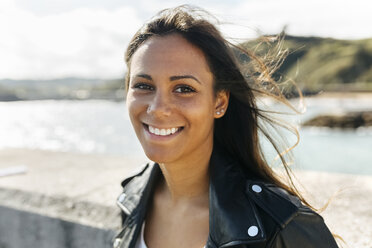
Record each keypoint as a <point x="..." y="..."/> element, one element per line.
<point x="25" y="229"/>
<point x="68" y="209"/>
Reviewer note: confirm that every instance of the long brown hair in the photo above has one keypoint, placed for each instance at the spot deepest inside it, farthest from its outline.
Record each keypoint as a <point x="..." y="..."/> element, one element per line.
<point x="238" y="131"/>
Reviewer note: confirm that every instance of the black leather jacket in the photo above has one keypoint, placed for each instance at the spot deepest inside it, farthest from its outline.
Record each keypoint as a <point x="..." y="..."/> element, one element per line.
<point x="243" y="212"/>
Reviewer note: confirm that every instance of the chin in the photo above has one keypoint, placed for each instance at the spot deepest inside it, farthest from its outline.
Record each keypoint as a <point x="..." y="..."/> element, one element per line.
<point x="160" y="157"/>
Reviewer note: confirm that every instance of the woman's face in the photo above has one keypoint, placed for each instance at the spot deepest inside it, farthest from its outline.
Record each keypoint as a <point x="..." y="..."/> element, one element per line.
<point x="171" y="102"/>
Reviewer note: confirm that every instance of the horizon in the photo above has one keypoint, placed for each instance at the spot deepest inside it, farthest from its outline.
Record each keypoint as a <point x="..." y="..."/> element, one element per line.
<point x="46" y="39"/>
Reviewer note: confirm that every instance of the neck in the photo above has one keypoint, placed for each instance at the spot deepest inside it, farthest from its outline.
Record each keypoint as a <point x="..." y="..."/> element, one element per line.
<point x="187" y="180"/>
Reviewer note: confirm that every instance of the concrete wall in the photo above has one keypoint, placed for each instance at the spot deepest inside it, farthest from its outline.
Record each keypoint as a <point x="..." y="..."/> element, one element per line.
<point x="20" y="229"/>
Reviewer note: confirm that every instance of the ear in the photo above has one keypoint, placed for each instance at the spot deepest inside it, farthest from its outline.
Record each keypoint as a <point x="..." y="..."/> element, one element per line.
<point x="221" y="103"/>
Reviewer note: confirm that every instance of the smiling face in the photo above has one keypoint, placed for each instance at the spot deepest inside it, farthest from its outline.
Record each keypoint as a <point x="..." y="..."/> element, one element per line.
<point x="170" y="100"/>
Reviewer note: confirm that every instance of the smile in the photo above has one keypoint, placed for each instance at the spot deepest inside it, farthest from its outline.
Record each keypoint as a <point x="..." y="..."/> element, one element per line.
<point x="162" y="131"/>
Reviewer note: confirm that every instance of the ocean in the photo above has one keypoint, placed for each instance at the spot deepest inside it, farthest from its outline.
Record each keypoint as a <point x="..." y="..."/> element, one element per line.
<point x="96" y="126"/>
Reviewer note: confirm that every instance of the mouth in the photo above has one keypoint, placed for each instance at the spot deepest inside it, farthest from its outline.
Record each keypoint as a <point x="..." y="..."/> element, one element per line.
<point x="162" y="131"/>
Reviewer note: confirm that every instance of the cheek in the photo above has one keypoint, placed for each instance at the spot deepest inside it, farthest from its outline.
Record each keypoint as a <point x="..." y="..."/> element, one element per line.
<point x="133" y="107"/>
<point x="201" y="111"/>
<point x="129" y="103"/>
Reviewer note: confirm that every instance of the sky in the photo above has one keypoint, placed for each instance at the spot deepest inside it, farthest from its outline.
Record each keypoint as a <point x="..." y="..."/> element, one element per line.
<point x="46" y="39"/>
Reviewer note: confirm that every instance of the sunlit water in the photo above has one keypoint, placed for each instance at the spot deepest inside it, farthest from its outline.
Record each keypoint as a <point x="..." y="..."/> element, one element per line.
<point x="104" y="127"/>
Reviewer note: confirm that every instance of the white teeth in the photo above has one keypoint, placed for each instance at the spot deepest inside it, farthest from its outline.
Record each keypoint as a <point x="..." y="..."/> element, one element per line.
<point x="151" y="129"/>
<point x="162" y="132"/>
<point x="157" y="131"/>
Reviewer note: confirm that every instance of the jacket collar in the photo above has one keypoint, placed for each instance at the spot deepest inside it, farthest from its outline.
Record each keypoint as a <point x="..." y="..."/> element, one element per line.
<point x="233" y="217"/>
<point x="231" y="212"/>
<point x="134" y="201"/>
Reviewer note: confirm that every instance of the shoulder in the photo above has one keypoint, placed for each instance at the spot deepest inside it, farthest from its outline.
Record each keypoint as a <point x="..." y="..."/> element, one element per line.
<point x="274" y="201"/>
<point x="295" y="223"/>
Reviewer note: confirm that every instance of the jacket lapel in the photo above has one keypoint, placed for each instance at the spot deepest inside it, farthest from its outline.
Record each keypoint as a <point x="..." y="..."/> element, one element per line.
<point x="233" y="217"/>
<point x="134" y="202"/>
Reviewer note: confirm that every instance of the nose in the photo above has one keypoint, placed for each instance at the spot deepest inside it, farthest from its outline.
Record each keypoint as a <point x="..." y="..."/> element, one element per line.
<point x="160" y="105"/>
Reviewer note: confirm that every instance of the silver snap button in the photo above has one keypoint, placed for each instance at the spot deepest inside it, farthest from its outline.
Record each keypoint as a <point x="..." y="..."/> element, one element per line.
<point x="122" y="197"/>
<point x="252" y="231"/>
<point x="256" y="188"/>
<point x="117" y="243"/>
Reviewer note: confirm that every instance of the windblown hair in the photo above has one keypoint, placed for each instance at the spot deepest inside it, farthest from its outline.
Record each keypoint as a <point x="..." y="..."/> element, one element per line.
<point x="237" y="132"/>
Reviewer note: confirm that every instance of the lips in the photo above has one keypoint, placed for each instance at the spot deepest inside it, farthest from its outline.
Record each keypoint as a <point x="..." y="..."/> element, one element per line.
<point x="162" y="131"/>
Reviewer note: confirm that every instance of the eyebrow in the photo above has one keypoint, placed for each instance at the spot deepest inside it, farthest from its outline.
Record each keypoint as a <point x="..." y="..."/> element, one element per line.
<point x="172" y="78"/>
<point x="144" y="76"/>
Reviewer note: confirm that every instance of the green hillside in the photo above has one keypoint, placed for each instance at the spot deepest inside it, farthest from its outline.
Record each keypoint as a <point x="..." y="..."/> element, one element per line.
<point x="324" y="63"/>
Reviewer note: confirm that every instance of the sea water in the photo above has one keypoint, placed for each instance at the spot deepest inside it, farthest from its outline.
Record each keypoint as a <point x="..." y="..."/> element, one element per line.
<point x="104" y="127"/>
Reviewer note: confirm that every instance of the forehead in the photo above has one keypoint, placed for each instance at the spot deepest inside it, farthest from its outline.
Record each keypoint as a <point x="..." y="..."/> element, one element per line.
<point x="172" y="54"/>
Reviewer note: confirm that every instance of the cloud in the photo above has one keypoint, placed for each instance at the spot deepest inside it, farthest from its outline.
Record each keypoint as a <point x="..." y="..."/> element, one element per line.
<point x="82" y="42"/>
<point x="87" y="38"/>
<point x="343" y="19"/>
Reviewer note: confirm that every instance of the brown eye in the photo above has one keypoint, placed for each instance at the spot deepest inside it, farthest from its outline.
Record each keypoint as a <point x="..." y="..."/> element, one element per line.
<point x="184" y="89"/>
<point x="143" y="86"/>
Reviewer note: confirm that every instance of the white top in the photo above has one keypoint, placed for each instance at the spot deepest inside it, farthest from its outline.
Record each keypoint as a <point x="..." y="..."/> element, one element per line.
<point x="141" y="240"/>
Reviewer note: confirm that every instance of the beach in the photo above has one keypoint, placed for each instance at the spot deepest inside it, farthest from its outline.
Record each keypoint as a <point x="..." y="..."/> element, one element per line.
<point x="83" y="188"/>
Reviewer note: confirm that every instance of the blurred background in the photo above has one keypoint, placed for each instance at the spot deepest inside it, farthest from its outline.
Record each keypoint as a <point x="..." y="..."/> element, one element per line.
<point x="62" y="70"/>
<point x="66" y="141"/>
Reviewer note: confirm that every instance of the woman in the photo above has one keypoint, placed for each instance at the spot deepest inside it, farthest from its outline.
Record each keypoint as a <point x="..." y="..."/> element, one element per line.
<point x="195" y="115"/>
